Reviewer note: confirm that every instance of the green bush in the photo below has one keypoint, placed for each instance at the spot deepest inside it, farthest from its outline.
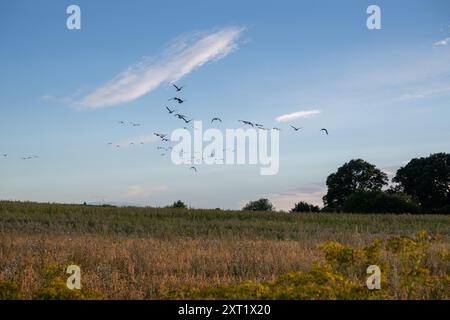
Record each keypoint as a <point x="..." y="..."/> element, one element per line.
<point x="54" y="286"/>
<point x="178" y="205"/>
<point x="380" y="202"/>
<point x="259" y="205"/>
<point x="305" y="207"/>
<point x="9" y="290"/>
<point x="442" y="210"/>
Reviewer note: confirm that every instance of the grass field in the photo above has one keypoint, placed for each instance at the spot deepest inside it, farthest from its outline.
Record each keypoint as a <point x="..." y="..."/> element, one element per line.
<point x="138" y="253"/>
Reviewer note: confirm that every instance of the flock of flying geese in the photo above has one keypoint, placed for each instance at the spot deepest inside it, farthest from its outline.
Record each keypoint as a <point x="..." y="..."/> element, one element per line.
<point x="164" y="137"/>
<point x="172" y="111"/>
<point x="5" y="155"/>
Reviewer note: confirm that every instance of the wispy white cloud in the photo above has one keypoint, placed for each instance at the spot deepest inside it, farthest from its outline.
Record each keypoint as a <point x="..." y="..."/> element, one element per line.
<point x="139" y="140"/>
<point x="297" y="115"/>
<point x="442" y="42"/>
<point x="426" y="93"/>
<point x="182" y="57"/>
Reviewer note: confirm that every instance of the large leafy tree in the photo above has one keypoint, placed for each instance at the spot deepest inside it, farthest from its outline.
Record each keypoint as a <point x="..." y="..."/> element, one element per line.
<point x="355" y="175"/>
<point x="427" y="180"/>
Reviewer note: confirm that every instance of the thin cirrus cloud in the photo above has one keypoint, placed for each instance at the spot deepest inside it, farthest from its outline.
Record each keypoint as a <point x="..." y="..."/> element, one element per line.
<point x="186" y="54"/>
<point x="442" y="42"/>
<point x="297" y="115"/>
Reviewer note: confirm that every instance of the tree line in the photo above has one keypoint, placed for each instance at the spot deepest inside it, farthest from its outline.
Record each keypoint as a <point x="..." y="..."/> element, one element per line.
<point x="421" y="186"/>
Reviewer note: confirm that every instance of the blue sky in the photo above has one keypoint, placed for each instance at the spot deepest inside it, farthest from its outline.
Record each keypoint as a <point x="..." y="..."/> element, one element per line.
<point x="382" y="94"/>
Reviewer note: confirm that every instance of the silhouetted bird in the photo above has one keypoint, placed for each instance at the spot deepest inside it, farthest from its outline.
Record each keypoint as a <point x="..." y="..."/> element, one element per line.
<point x="247" y="123"/>
<point x="180" y="116"/>
<point x="5" y="154"/>
<point x="178" y="88"/>
<point x="324" y="130"/>
<point x="193" y="168"/>
<point x="216" y="119"/>
<point x="179" y="100"/>
<point x="275" y="128"/>
<point x="295" y="128"/>
<point x="160" y="135"/>
<point x="170" y="111"/>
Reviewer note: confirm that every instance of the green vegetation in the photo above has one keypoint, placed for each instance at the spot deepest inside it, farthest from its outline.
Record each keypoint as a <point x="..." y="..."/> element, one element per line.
<point x="259" y="205"/>
<point x="40" y="218"/>
<point x="305" y="207"/>
<point x="380" y="202"/>
<point x="151" y="253"/>
<point x="356" y="175"/>
<point x="427" y="180"/>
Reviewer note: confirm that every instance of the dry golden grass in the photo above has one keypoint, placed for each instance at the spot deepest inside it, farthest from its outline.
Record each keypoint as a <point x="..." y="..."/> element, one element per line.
<point x="136" y="268"/>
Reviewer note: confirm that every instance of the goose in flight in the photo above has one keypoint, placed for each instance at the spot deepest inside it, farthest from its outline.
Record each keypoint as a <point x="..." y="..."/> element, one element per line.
<point x="180" y="116"/>
<point x="216" y="119"/>
<point x="179" y="100"/>
<point x="295" y="128"/>
<point x="324" y="130"/>
<point x="178" y="88"/>
<point x="135" y="124"/>
<point x="160" y="135"/>
<point x="187" y="121"/>
<point x="277" y="129"/>
<point x="170" y="110"/>
<point x="247" y="123"/>
<point x="121" y="122"/>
